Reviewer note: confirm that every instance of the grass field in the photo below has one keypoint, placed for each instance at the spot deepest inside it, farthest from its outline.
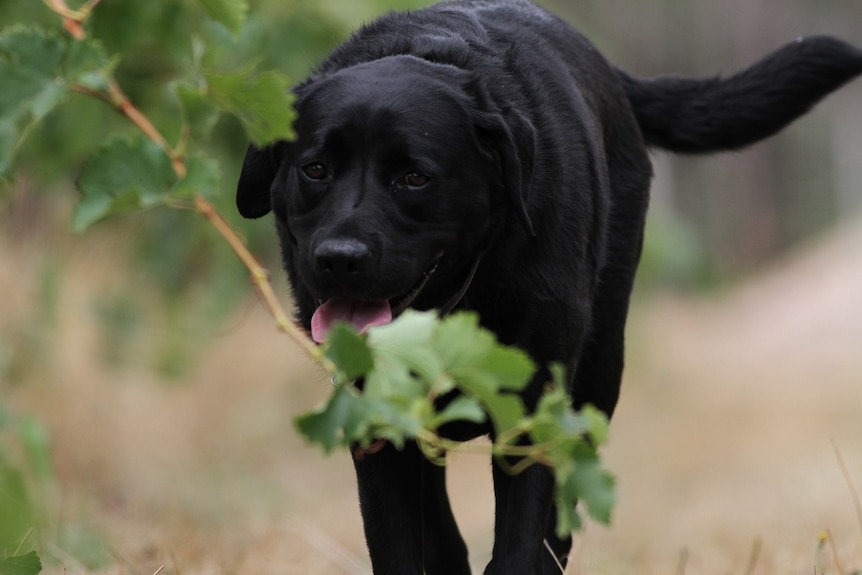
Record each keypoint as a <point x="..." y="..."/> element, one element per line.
<point x="722" y="443"/>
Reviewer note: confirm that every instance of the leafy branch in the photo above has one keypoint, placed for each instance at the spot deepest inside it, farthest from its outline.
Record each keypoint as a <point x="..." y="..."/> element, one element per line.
<point x="109" y="91"/>
<point x="420" y="373"/>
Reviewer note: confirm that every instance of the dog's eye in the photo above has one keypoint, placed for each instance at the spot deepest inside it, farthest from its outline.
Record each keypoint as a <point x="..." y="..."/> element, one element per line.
<point x="315" y="171"/>
<point x="413" y="180"/>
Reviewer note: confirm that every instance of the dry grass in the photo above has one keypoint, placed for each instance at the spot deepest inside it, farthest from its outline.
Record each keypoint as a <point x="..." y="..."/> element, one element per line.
<point x="721" y="444"/>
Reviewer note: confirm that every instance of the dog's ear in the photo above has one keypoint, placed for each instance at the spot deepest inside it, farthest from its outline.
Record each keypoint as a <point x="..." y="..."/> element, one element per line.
<point x="255" y="180"/>
<point x="510" y="139"/>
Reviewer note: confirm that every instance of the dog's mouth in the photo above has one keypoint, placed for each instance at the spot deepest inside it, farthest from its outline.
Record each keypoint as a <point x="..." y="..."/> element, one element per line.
<point x="363" y="314"/>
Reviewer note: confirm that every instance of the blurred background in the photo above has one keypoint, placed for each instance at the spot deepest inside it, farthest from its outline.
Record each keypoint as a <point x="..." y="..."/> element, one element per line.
<point x="146" y="400"/>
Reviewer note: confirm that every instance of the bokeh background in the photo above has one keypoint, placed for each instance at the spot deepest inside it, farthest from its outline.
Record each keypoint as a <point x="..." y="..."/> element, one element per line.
<point x="146" y="400"/>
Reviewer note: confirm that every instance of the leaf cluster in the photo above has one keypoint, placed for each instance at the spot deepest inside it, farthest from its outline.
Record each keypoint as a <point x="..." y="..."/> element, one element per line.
<point x="420" y="373"/>
<point x="41" y="70"/>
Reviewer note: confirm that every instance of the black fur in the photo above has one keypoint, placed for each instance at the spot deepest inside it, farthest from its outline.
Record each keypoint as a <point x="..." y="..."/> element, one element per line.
<point x="535" y="150"/>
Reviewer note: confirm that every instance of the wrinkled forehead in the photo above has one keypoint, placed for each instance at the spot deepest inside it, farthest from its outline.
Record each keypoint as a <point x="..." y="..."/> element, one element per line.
<point x="402" y="100"/>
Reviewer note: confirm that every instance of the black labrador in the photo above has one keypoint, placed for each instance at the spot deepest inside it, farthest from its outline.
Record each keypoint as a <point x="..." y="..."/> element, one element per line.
<point x="483" y="155"/>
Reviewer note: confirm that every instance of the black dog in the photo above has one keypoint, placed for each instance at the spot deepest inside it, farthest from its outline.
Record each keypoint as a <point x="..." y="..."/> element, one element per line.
<point x="483" y="155"/>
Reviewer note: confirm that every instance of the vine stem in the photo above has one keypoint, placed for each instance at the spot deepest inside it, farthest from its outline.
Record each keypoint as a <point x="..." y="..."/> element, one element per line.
<point x="260" y="279"/>
<point x="73" y="20"/>
<point x="122" y="103"/>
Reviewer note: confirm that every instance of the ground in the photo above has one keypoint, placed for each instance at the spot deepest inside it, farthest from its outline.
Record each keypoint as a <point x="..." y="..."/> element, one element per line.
<point x="724" y="443"/>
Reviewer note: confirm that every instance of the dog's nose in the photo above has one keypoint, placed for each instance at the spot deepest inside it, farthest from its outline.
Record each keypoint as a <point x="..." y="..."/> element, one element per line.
<point x="342" y="259"/>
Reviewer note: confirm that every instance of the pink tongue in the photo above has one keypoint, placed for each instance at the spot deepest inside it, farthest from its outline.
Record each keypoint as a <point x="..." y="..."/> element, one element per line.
<point x="360" y="315"/>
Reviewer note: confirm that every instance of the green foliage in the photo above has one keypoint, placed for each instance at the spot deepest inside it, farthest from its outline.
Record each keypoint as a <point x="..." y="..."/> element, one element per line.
<point x="409" y="364"/>
<point x="122" y="177"/>
<point x="261" y="101"/>
<point x="571" y="439"/>
<point x="127" y="175"/>
<point x="27" y="564"/>
<point x="231" y="13"/>
<point x="27" y="518"/>
<point x="39" y="70"/>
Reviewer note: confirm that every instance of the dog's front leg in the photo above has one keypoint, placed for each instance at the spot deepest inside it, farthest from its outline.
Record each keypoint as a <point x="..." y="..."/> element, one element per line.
<point x="523" y="509"/>
<point x="406" y="514"/>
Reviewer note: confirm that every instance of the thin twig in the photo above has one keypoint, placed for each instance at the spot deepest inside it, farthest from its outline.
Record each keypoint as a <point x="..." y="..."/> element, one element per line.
<point x="73" y="20"/>
<point x="91" y="93"/>
<point x="260" y="279"/>
<point x="122" y="103"/>
<point x="61" y="8"/>
<point x="331" y="549"/>
<point x="24" y="540"/>
<point x="853" y="492"/>
<point x="554" y="556"/>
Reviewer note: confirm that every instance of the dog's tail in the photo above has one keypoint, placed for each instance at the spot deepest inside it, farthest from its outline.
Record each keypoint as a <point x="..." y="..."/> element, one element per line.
<point x="714" y="114"/>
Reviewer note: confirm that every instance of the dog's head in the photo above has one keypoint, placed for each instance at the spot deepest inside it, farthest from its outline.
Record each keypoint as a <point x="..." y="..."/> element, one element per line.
<point x="402" y="173"/>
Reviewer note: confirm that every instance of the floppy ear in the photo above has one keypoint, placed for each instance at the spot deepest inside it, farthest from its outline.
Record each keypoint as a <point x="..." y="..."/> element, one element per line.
<point x="511" y="139"/>
<point x="252" y="191"/>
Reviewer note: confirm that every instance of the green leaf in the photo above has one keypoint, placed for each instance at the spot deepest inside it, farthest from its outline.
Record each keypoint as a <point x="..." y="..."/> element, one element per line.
<point x="124" y="176"/>
<point x="462" y="408"/>
<point x="202" y="177"/>
<point x="467" y="349"/>
<point x="405" y="361"/>
<point x="506" y="410"/>
<point x="583" y="479"/>
<point x="87" y="65"/>
<point x="353" y="418"/>
<point x="199" y="113"/>
<point x="418" y="353"/>
<point x="461" y="342"/>
<point x="396" y="420"/>
<point x="511" y="368"/>
<point x="326" y="425"/>
<point x="568" y="440"/>
<point x="30" y="61"/>
<point x="261" y="101"/>
<point x="349" y="352"/>
<point x="231" y="13"/>
<point x="39" y="70"/>
<point x="28" y="564"/>
<point x="598" y="426"/>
